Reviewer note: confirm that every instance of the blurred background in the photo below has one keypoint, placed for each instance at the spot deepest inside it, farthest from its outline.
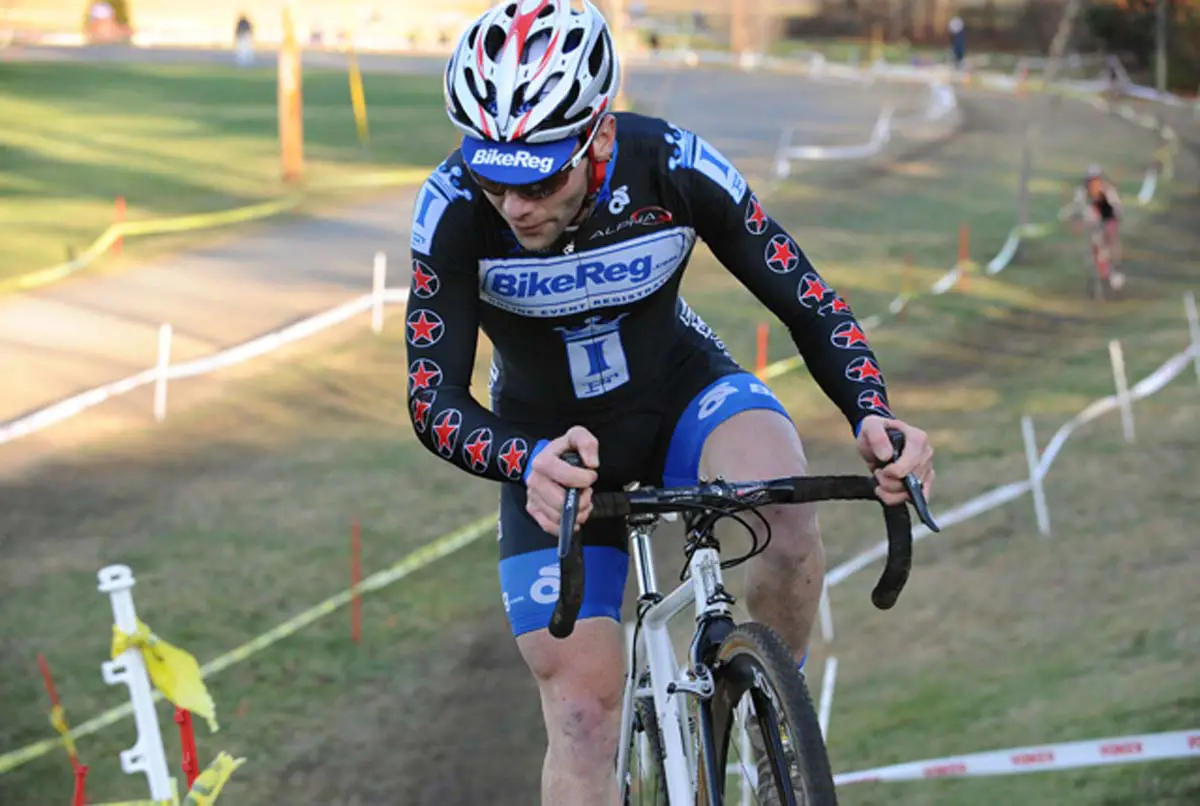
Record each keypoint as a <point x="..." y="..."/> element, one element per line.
<point x="204" y="262"/>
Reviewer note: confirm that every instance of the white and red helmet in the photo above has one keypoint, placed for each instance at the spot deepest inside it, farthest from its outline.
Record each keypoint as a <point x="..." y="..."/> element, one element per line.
<point x="525" y="80"/>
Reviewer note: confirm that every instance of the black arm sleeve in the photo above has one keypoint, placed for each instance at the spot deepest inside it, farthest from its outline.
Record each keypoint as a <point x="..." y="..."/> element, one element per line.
<point x="442" y="328"/>
<point x="766" y="260"/>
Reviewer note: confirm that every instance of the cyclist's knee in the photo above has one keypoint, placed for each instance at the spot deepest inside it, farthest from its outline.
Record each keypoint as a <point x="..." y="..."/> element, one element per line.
<point x="581" y="682"/>
<point x="795" y="534"/>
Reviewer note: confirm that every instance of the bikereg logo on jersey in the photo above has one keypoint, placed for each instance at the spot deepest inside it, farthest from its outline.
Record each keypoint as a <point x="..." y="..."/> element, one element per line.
<point x="593" y="278"/>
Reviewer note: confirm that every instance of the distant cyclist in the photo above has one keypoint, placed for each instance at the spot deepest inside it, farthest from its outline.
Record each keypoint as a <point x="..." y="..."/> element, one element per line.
<point x="1099" y="203"/>
<point x="562" y="230"/>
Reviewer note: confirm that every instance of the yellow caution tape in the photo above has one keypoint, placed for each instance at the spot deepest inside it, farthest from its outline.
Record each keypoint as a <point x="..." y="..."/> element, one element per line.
<point x="415" y="561"/>
<point x="58" y="719"/>
<point x="173" y="671"/>
<point x="197" y="221"/>
<point x="208" y="784"/>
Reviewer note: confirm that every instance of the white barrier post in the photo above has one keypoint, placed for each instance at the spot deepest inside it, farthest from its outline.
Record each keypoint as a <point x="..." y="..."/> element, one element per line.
<point x="825" y="705"/>
<point x="147" y="755"/>
<point x="1189" y="306"/>
<point x="826" y="615"/>
<point x="377" y="292"/>
<point x="1122" y="384"/>
<point x="1035" y="479"/>
<point x="160" y="378"/>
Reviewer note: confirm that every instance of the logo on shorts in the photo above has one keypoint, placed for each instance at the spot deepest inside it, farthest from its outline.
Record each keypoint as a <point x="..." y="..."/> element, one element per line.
<point x="781" y="254"/>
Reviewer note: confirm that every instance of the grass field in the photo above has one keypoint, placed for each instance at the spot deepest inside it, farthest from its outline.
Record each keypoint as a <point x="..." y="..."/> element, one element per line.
<point x="179" y="139"/>
<point x="235" y="516"/>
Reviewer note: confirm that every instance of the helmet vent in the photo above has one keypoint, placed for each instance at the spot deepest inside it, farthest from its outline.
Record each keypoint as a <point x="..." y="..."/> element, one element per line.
<point x="574" y="38"/>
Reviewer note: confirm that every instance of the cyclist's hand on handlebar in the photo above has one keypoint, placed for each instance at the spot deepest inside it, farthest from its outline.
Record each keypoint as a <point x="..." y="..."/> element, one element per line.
<point x="876" y="448"/>
<point x="550" y="476"/>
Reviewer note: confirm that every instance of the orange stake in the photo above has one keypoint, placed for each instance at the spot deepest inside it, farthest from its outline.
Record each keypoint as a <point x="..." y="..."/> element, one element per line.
<point x="355" y="578"/>
<point x="760" y="357"/>
<point x="80" y="796"/>
<point x="119" y="219"/>
<point x="187" y="743"/>
<point x="55" y="703"/>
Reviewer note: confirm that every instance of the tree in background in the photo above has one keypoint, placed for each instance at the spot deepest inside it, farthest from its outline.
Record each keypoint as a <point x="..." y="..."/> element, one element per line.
<point x="1126" y="28"/>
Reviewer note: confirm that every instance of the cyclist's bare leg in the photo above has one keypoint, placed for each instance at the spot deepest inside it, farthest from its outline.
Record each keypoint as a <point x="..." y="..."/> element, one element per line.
<point x="783" y="585"/>
<point x="581" y="683"/>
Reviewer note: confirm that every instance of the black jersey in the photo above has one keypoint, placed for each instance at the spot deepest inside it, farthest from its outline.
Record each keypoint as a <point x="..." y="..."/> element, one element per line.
<point x="596" y="322"/>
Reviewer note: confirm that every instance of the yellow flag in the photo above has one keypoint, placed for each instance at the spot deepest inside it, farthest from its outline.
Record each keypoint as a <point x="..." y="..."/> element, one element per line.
<point x="173" y="671"/>
<point x="59" y="720"/>
<point x="209" y="783"/>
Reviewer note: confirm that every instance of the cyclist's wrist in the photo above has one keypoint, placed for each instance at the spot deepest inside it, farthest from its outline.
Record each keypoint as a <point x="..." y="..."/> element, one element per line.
<point x="538" y="448"/>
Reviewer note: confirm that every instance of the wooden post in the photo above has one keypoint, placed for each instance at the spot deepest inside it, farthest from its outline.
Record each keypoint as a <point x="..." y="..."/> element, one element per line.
<point x="290" y="96"/>
<point x="760" y="353"/>
<point x="118" y="220"/>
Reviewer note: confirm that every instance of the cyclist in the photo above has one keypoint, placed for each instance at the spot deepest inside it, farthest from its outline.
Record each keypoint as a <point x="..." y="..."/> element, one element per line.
<point x="1097" y="199"/>
<point x="562" y="230"/>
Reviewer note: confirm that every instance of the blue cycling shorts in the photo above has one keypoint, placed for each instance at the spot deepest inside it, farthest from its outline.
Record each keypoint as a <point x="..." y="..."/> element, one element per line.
<point x="634" y="446"/>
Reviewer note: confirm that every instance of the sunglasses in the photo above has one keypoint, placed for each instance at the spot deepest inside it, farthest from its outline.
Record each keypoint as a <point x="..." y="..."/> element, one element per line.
<point x="543" y="188"/>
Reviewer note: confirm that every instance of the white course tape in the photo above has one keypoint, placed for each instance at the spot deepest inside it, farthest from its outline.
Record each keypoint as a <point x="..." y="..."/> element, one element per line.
<point x="880" y="135"/>
<point x="1000" y="262"/>
<point x="945" y="282"/>
<point x="991" y="499"/>
<point x="1149" y="185"/>
<point x="1038" y="758"/>
<point x="1147" y="386"/>
<point x="966" y="511"/>
<point x="66" y="409"/>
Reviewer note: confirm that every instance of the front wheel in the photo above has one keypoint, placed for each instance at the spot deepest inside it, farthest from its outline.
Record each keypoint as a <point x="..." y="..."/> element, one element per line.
<point x="759" y="689"/>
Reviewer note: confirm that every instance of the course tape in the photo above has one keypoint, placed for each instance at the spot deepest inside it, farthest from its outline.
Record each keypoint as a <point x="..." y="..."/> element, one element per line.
<point x="411" y="563"/>
<point x="198" y="221"/>
<point x="1152" y="383"/>
<point x="1039" y="758"/>
<point x="65" y="409"/>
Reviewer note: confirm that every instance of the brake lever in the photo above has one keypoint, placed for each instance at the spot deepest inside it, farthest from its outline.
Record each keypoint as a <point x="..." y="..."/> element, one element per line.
<point x="912" y="484"/>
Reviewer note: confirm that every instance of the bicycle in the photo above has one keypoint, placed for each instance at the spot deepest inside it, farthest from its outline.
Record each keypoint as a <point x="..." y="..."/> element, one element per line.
<point x="1104" y="280"/>
<point x="682" y="719"/>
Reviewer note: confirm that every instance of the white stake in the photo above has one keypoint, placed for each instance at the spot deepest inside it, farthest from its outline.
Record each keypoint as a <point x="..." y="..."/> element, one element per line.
<point x="1189" y="305"/>
<point x="164" y="362"/>
<point x="1035" y="479"/>
<point x="1122" y="384"/>
<point x="825" y="706"/>
<point x="826" y="614"/>
<point x="147" y="755"/>
<point x="379" y="286"/>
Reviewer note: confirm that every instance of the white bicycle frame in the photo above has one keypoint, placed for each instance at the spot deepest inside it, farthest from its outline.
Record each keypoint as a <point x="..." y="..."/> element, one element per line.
<point x="701" y="589"/>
